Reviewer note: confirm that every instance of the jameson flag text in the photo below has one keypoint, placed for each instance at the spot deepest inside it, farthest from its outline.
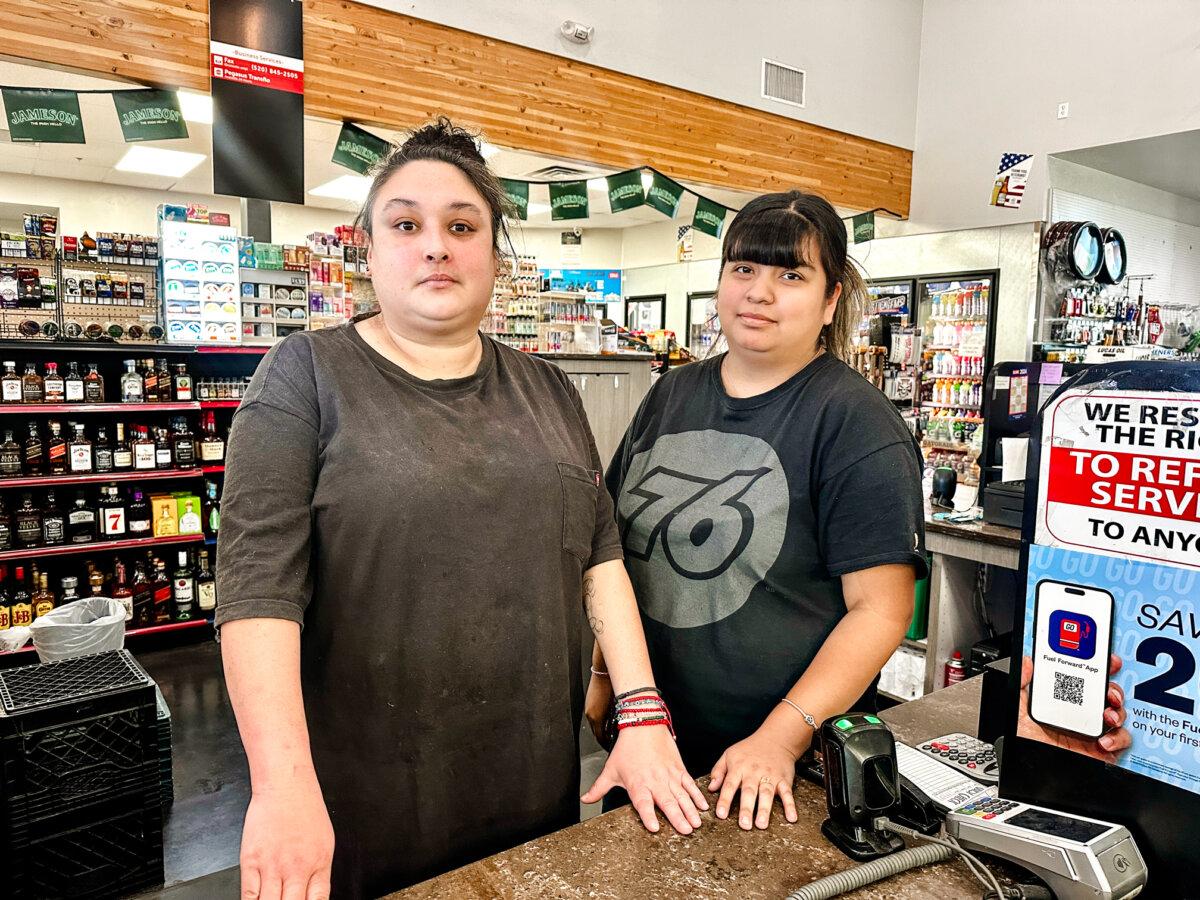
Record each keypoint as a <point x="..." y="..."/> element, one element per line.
<point x="359" y="150"/>
<point x="149" y="115"/>
<point x="625" y="190"/>
<point x="863" y="226"/>
<point x="664" y="195"/>
<point x="709" y="217"/>
<point x="35" y="114"/>
<point x="518" y="195"/>
<point x="568" y="200"/>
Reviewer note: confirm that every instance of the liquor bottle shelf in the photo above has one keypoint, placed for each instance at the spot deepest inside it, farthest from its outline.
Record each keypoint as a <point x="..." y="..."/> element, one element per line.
<point x="131" y="475"/>
<point x="133" y="632"/>
<point x="99" y="546"/>
<point x="208" y="348"/>
<point x="220" y="404"/>
<point x="43" y="409"/>
<point x="213" y="470"/>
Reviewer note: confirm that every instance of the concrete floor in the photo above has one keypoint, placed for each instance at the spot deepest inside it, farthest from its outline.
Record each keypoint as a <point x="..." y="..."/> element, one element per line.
<point x="202" y="829"/>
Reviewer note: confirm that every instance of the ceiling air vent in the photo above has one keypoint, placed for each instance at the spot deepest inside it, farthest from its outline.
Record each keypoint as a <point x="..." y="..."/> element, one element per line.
<point x="782" y="83"/>
<point x="558" y="173"/>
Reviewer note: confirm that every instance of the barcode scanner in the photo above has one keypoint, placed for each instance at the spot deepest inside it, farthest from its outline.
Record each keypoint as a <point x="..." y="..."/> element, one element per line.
<point x="861" y="783"/>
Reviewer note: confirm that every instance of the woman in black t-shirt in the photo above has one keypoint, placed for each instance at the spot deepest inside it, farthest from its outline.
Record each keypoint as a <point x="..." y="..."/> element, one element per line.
<point x="769" y="502"/>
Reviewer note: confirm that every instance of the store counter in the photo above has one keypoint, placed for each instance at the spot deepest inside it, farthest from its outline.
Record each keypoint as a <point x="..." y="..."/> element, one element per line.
<point x="956" y="550"/>
<point x="613" y="856"/>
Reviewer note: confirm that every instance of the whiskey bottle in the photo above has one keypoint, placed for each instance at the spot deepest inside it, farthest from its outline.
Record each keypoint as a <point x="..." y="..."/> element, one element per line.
<point x="29" y="522"/>
<point x="103" y="452"/>
<point x="11" y="385"/>
<point x="162" y="449"/>
<point x="143" y="597"/>
<point x="10" y="457"/>
<point x="211" y="509"/>
<point x="183" y="597"/>
<point x="183" y="383"/>
<point x="22" y="608"/>
<point x="42" y="599"/>
<point x="5" y="600"/>
<point x="143" y="450"/>
<point x="122" y="452"/>
<point x="166" y="391"/>
<point x="212" y="446"/>
<point x="93" y="385"/>
<point x="112" y="513"/>
<point x="138" y="516"/>
<point x="149" y="381"/>
<point x="52" y="384"/>
<point x="206" y="586"/>
<point x="80" y="451"/>
<point x="35" y="458"/>
<point x="56" y="450"/>
<point x="73" y="383"/>
<point x="6" y="529"/>
<point x="70" y="589"/>
<point x="81" y="521"/>
<point x="121" y="591"/>
<point x="54" y="525"/>
<point x="183" y="443"/>
<point x="132" y="388"/>
<point x="160" y="587"/>
<point x="33" y="388"/>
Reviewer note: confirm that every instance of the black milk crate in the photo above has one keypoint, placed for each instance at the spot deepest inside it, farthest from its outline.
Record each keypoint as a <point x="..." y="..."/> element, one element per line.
<point x="111" y="850"/>
<point x="73" y="734"/>
<point x="166" y="776"/>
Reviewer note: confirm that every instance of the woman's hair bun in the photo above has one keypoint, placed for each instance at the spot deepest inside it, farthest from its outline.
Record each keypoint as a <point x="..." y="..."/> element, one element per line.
<point x="445" y="135"/>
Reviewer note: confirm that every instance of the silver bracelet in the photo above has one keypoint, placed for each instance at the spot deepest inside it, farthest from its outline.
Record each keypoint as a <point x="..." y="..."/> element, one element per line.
<point x="812" y="723"/>
<point x="596" y="671"/>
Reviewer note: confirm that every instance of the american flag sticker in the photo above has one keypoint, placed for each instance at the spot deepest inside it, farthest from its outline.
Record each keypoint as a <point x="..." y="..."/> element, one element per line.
<point x="1011" y="177"/>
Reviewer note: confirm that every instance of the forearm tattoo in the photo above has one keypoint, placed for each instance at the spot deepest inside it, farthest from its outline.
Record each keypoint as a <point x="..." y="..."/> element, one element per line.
<point x="589" y="600"/>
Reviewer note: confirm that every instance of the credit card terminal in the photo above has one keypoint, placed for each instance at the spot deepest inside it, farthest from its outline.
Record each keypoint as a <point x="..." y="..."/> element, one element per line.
<point x="1076" y="856"/>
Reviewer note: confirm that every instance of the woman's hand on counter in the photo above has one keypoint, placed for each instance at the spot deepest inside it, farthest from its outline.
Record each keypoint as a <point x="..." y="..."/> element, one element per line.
<point x="646" y="763"/>
<point x="596" y="705"/>
<point x="287" y="845"/>
<point x="760" y="768"/>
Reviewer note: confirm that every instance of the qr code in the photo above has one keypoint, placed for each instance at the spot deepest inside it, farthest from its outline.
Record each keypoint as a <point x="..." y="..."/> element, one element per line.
<point x="1068" y="688"/>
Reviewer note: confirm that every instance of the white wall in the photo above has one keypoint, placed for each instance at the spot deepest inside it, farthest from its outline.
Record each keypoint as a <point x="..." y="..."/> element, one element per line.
<point x="861" y="56"/>
<point x="676" y="281"/>
<point x="1012" y="249"/>
<point x="1070" y="176"/>
<point x="601" y="248"/>
<point x="992" y="77"/>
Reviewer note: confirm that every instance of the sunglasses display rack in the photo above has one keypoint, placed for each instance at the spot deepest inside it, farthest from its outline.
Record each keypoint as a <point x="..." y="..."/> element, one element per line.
<point x="109" y="300"/>
<point x="201" y="293"/>
<point x="29" y="295"/>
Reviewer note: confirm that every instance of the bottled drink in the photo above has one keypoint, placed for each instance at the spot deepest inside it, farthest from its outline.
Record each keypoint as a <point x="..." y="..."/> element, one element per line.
<point x="70" y="589"/>
<point x="11" y="390"/>
<point x="52" y="384"/>
<point x="33" y="388"/>
<point x="103" y="452"/>
<point x="93" y="385"/>
<point x="43" y="598"/>
<point x="183" y="383"/>
<point x="54" y="525"/>
<point x="56" y="450"/>
<point x="122" y="452"/>
<point x="5" y="600"/>
<point x="138" y="516"/>
<point x="95" y="580"/>
<point x="160" y="586"/>
<point x="149" y="381"/>
<point x="132" y="389"/>
<point x="143" y="450"/>
<point x="166" y="389"/>
<point x="112" y="513"/>
<point x="189" y="521"/>
<point x="81" y="521"/>
<point x="29" y="522"/>
<point x="22" y="608"/>
<point x="122" y="592"/>
<point x="143" y="597"/>
<point x="73" y="383"/>
<point x="35" y="459"/>
<point x="162" y="449"/>
<point x="184" y="592"/>
<point x="212" y="446"/>
<point x="183" y="443"/>
<point x="206" y="586"/>
<point x="80" y="451"/>
<point x="211" y="509"/>
<point x="10" y="457"/>
<point x="6" y="529"/>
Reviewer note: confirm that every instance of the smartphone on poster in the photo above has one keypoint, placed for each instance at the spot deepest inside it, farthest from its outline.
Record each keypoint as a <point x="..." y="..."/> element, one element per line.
<point x="1072" y="643"/>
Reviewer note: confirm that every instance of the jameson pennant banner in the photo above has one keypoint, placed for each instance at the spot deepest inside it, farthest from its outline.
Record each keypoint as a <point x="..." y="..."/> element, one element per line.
<point x="149" y="115"/>
<point x="568" y="200"/>
<point x="863" y="227"/>
<point x="359" y="150"/>
<point x="625" y="190"/>
<point x="664" y="195"/>
<point x="49" y="116"/>
<point x="709" y="217"/>
<point x="518" y="195"/>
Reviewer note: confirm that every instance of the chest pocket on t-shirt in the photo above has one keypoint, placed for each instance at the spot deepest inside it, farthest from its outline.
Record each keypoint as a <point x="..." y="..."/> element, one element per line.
<point x="579" y="487"/>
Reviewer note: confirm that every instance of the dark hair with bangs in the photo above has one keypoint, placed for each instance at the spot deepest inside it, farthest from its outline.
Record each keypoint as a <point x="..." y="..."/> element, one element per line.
<point x="780" y="230"/>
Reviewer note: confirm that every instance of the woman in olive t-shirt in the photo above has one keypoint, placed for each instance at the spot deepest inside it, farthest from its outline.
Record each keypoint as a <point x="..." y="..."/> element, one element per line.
<point x="427" y="505"/>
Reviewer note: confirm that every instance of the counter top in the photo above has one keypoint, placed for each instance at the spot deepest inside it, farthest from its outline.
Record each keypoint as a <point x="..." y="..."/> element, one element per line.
<point x="612" y="856"/>
<point x="998" y="535"/>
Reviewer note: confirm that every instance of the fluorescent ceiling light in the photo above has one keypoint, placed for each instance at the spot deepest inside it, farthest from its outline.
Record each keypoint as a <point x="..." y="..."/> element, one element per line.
<point x="344" y="187"/>
<point x="488" y="150"/>
<point x="536" y="209"/>
<point x="156" y="161"/>
<point x="647" y="180"/>
<point x="196" y="108"/>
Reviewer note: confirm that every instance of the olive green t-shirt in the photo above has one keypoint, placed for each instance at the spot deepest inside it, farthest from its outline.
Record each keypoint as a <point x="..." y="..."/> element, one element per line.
<point x="431" y="537"/>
